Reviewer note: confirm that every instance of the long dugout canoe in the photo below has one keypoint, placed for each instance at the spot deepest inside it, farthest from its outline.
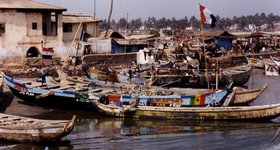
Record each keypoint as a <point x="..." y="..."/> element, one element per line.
<point x="264" y="112"/>
<point x="29" y="130"/>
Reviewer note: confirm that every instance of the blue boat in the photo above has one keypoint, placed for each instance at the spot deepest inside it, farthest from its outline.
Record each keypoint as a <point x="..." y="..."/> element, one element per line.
<point x="199" y="99"/>
<point x="51" y="96"/>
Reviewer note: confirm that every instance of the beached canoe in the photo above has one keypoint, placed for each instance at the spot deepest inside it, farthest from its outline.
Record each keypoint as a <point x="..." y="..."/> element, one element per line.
<point x="23" y="129"/>
<point x="264" y="112"/>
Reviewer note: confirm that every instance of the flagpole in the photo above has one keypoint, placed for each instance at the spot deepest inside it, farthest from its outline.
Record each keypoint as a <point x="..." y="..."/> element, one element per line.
<point x="204" y="51"/>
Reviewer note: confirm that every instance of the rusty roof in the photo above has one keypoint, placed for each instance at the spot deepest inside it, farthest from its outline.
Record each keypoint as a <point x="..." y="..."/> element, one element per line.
<point x="28" y="5"/>
<point x="77" y="18"/>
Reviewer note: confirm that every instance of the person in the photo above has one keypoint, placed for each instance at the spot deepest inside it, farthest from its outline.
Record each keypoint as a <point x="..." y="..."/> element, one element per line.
<point x="107" y="73"/>
<point x="153" y="69"/>
<point x="177" y="69"/>
<point x="129" y="74"/>
<point x="43" y="74"/>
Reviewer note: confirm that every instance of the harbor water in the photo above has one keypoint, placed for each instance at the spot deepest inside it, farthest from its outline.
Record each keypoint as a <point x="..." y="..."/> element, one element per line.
<point x="95" y="131"/>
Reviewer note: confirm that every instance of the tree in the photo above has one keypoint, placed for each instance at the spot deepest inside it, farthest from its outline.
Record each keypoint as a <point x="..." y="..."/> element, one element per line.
<point x="122" y="24"/>
<point x="135" y="24"/>
<point x="109" y="17"/>
<point x="194" y="22"/>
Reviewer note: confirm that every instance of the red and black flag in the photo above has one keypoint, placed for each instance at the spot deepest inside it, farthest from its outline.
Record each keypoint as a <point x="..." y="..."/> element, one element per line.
<point x="207" y="16"/>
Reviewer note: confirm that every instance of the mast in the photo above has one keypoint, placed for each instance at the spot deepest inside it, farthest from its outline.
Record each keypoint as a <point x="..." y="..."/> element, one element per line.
<point x="204" y="50"/>
<point x="94" y="10"/>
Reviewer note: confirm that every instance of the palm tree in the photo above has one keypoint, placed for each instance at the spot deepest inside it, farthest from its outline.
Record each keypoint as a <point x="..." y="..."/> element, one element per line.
<point x="109" y="18"/>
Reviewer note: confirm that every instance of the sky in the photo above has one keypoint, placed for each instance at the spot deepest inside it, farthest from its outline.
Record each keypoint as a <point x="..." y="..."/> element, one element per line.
<point x="167" y="8"/>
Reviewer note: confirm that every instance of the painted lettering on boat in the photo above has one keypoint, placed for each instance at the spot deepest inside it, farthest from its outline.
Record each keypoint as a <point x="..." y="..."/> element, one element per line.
<point x="26" y="93"/>
<point x="172" y="102"/>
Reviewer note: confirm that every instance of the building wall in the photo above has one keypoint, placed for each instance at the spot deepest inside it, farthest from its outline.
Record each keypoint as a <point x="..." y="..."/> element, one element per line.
<point x="92" y="29"/>
<point x="19" y="36"/>
<point x="15" y="31"/>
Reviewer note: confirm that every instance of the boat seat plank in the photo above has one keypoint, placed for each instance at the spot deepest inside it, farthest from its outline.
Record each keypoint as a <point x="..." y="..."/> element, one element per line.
<point x="94" y="90"/>
<point x="66" y="87"/>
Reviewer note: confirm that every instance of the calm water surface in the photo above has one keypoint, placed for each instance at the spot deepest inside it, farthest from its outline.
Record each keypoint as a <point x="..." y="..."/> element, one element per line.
<point x="94" y="131"/>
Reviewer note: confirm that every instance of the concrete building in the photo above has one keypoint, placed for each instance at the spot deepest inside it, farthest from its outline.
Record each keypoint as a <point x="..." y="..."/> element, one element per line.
<point x="80" y="27"/>
<point x="26" y="26"/>
<point x="71" y="23"/>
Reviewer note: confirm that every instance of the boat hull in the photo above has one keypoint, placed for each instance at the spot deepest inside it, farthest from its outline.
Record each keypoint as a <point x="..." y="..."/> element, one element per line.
<point x="23" y="129"/>
<point x="265" y="112"/>
<point x="242" y="98"/>
<point x="49" y="98"/>
<point x="52" y="101"/>
<point x="239" y="78"/>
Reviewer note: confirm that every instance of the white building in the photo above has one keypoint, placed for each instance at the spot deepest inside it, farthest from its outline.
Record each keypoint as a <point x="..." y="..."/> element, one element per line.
<point x="26" y="26"/>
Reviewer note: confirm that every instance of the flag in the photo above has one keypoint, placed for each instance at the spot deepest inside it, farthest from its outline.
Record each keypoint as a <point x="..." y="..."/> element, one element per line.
<point x="47" y="53"/>
<point x="207" y="16"/>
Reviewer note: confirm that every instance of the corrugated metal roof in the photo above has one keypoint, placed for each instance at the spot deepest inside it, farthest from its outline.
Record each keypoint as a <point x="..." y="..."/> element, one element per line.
<point x="111" y="34"/>
<point x="28" y="5"/>
<point x="77" y="18"/>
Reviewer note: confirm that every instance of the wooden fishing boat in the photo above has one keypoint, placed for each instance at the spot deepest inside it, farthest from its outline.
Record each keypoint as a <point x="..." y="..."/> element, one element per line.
<point x="23" y="129"/>
<point x="246" y="96"/>
<point x="166" y="98"/>
<point x="61" y="95"/>
<point x="113" y="76"/>
<point x="264" y="112"/>
<point x="239" y="75"/>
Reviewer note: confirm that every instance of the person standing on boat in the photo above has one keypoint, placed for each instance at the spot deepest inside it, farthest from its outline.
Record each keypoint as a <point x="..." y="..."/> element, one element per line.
<point x="107" y="73"/>
<point x="130" y="74"/>
<point x="42" y="73"/>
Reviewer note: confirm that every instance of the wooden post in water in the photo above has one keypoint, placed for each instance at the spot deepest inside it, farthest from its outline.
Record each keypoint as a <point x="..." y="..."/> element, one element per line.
<point x="267" y="92"/>
<point x="252" y="75"/>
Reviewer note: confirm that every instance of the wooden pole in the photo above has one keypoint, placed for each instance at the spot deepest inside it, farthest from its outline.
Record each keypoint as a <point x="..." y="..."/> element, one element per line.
<point x="204" y="51"/>
<point x="217" y="75"/>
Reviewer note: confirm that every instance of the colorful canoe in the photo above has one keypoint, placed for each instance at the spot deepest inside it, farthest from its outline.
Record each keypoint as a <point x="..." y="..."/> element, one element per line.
<point x="200" y="99"/>
<point x="67" y="96"/>
<point x="113" y="76"/>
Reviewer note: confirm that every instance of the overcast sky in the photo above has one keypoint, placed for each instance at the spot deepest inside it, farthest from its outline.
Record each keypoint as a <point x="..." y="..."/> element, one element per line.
<point x="168" y="8"/>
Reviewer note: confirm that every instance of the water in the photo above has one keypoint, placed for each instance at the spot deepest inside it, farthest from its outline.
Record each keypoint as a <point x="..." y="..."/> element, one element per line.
<point x="94" y="131"/>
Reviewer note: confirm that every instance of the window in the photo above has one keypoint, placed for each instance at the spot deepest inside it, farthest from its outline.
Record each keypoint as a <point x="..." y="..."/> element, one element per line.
<point x="34" y="26"/>
<point x="2" y="28"/>
<point x="67" y="27"/>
